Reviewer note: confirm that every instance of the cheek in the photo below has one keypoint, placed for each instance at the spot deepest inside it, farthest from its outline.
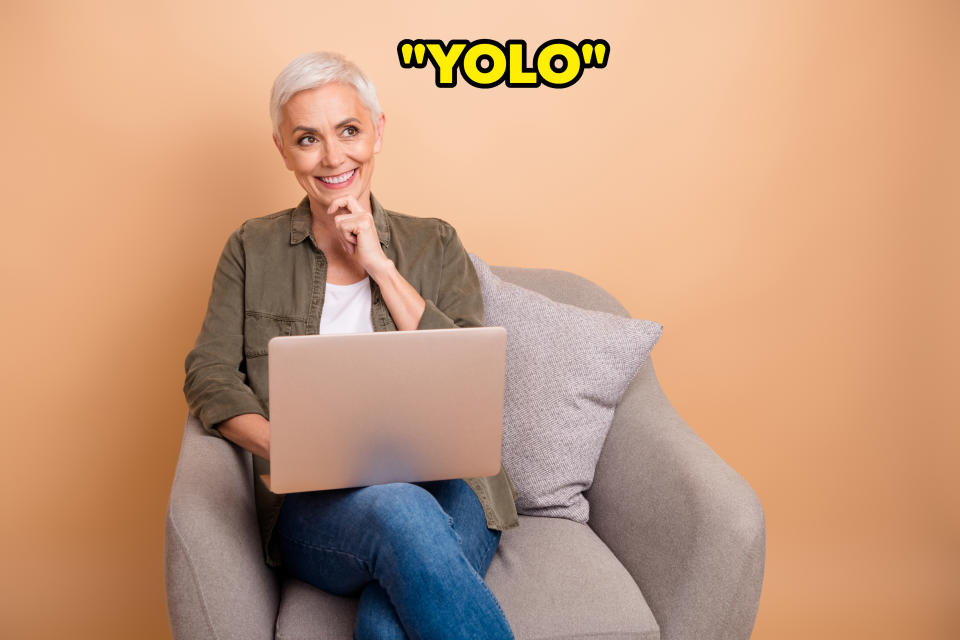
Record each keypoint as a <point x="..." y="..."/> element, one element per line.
<point x="304" y="162"/>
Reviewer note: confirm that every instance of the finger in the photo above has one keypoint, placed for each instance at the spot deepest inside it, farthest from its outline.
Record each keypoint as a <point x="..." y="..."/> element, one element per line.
<point x="352" y="226"/>
<point x="336" y="205"/>
<point x="348" y="227"/>
<point x="345" y="202"/>
<point x="353" y="204"/>
<point x="349" y="238"/>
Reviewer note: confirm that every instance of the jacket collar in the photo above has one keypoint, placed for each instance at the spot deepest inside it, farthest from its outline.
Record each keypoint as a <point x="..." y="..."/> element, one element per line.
<point x="301" y="221"/>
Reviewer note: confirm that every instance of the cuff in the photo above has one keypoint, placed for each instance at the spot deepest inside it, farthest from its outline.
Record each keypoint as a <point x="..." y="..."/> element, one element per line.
<point x="433" y="318"/>
<point x="225" y="405"/>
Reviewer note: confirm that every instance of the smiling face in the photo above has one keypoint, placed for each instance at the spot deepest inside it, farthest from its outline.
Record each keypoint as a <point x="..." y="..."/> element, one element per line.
<point x="328" y="140"/>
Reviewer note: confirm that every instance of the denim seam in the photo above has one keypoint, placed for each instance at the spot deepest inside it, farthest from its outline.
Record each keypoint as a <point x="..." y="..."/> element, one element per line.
<point x="496" y="602"/>
<point x="456" y="534"/>
<point x="493" y="544"/>
<point x="493" y="597"/>
<point x="308" y="545"/>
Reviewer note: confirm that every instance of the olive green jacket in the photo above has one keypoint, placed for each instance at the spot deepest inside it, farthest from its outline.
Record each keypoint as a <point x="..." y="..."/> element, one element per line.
<point x="269" y="282"/>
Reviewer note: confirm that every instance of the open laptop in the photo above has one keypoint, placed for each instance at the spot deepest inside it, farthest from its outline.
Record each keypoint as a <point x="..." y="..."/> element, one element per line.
<point x="350" y="410"/>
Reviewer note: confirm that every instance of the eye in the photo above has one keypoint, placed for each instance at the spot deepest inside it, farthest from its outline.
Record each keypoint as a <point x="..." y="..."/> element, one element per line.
<point x="307" y="138"/>
<point x="350" y="130"/>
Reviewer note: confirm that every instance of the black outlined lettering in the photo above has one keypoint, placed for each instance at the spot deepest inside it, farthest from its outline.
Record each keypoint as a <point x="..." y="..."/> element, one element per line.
<point x="486" y="63"/>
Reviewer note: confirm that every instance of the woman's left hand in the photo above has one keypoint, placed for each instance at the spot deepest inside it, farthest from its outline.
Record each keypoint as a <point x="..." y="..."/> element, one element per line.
<point x="358" y="234"/>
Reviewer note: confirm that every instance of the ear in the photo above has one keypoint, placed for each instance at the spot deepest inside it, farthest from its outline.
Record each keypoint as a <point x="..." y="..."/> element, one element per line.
<point x="381" y="121"/>
<point x="279" y="145"/>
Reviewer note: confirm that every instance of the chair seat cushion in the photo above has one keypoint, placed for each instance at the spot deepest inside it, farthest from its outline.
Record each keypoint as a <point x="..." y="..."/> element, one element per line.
<point x="554" y="579"/>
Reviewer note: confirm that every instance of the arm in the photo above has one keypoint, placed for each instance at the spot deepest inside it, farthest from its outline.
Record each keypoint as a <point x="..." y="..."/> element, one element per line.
<point x="217" y="583"/>
<point x="459" y="300"/>
<point x="406" y="306"/>
<point x="212" y="535"/>
<point x="459" y="303"/>
<point x="214" y="386"/>
<point x="688" y="528"/>
<point x="249" y="430"/>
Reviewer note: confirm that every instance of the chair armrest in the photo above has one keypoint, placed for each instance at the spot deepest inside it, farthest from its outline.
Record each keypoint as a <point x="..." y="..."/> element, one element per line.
<point x="687" y="527"/>
<point x="218" y="585"/>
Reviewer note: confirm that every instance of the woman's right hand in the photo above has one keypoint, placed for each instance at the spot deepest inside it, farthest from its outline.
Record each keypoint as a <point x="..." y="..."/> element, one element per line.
<point x="249" y="430"/>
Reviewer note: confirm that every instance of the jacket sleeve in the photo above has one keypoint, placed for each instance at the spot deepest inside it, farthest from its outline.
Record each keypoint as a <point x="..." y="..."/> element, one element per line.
<point x="215" y="386"/>
<point x="459" y="301"/>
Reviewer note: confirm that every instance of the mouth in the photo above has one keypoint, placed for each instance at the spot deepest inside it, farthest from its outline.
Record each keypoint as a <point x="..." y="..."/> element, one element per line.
<point x="338" y="181"/>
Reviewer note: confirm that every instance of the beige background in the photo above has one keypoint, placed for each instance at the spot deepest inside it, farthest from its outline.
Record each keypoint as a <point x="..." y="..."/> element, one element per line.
<point x="775" y="182"/>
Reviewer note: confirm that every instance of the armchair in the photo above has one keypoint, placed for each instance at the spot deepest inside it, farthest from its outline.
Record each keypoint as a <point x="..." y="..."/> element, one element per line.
<point x="674" y="548"/>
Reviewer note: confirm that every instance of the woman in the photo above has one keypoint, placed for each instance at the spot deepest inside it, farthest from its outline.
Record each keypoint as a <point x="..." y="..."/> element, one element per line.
<point x="415" y="553"/>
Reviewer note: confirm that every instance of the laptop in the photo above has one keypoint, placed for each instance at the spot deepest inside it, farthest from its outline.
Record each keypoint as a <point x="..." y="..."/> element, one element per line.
<point x="351" y="410"/>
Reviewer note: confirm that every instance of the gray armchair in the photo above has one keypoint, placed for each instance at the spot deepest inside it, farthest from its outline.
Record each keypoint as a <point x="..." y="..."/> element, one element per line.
<point x="674" y="548"/>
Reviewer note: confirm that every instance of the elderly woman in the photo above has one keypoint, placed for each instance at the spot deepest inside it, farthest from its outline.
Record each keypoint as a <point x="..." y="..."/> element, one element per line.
<point x="415" y="553"/>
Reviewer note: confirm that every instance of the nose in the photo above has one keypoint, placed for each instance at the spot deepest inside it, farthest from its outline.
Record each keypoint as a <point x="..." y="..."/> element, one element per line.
<point x="334" y="154"/>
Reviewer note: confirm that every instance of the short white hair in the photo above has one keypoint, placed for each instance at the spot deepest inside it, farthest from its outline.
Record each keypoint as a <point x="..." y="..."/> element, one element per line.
<point x="316" y="69"/>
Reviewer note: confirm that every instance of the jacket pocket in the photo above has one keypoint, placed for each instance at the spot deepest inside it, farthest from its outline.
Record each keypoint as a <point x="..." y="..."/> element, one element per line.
<point x="259" y="328"/>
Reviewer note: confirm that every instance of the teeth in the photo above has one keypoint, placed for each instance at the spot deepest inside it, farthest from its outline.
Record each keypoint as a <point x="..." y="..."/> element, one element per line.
<point x="342" y="178"/>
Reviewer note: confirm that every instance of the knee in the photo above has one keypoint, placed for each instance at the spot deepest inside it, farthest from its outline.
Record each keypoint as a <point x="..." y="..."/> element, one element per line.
<point x="402" y="508"/>
<point x="409" y="522"/>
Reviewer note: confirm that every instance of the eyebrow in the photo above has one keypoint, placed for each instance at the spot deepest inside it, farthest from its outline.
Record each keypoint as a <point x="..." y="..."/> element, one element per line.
<point x="312" y="130"/>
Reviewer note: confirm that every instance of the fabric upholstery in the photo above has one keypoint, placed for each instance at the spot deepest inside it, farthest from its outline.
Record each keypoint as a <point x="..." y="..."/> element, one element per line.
<point x="554" y="579"/>
<point x="687" y="528"/>
<point x="212" y="540"/>
<point x="686" y="525"/>
<point x="567" y="369"/>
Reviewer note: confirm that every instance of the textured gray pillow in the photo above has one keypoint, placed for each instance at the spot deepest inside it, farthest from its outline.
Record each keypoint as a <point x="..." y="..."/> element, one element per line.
<point x="567" y="369"/>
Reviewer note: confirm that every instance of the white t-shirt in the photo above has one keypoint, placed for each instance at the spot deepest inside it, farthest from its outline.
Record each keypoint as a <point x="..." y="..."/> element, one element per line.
<point x="346" y="308"/>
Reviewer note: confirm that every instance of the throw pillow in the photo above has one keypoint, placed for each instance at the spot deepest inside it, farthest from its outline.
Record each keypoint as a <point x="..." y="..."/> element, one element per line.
<point x="567" y="369"/>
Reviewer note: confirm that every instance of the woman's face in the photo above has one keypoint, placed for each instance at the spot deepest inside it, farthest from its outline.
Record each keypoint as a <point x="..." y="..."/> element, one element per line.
<point x="328" y="140"/>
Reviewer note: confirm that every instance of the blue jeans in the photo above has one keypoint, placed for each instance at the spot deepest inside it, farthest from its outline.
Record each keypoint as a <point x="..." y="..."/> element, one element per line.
<point x="415" y="553"/>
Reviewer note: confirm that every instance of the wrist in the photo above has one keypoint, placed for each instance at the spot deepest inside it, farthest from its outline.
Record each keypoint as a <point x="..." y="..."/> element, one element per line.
<point x="384" y="272"/>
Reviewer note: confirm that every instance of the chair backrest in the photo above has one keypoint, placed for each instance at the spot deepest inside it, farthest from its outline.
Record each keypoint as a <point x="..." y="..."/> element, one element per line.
<point x="562" y="286"/>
